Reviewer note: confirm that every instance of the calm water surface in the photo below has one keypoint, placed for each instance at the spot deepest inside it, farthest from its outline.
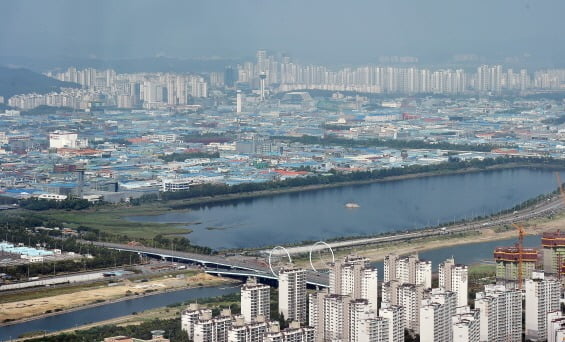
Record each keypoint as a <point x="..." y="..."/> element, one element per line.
<point x="109" y="311"/>
<point x="384" y="207"/>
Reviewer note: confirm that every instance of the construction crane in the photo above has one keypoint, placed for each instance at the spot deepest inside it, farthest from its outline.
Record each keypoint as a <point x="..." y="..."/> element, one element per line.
<point x="521" y="233"/>
<point x="560" y="185"/>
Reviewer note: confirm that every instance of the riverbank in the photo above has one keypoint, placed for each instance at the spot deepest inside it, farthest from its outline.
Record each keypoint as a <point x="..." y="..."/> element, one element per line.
<point x="112" y="219"/>
<point x="18" y="311"/>
<point x="162" y="313"/>
<point x="378" y="253"/>
<point x="187" y="203"/>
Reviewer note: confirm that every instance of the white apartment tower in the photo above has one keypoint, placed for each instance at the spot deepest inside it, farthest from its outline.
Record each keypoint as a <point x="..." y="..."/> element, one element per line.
<point x="436" y="314"/>
<point x="555" y="326"/>
<point x="190" y="316"/>
<point x="294" y="333"/>
<point x="358" y="312"/>
<point x="410" y="297"/>
<point x="355" y="278"/>
<point x="316" y="313"/>
<point x="336" y="317"/>
<point x="500" y="314"/>
<point x="466" y="325"/>
<point x="453" y="277"/>
<point x="370" y="287"/>
<point x="389" y="292"/>
<point x="542" y="297"/>
<point x="292" y="294"/>
<point x="213" y="329"/>
<point x="408" y="270"/>
<point x="394" y="315"/>
<point x="239" y="102"/>
<point x="389" y="267"/>
<point x="255" y="301"/>
<point x="373" y="329"/>
<point x="247" y="332"/>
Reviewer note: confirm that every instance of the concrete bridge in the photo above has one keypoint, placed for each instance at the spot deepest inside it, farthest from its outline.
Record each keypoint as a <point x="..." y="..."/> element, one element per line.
<point x="218" y="265"/>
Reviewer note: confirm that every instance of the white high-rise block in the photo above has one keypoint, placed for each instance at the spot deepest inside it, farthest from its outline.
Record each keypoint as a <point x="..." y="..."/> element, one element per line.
<point x="255" y="301"/>
<point x="396" y="322"/>
<point x="542" y="297"/>
<point x="500" y="314"/>
<point x="466" y="325"/>
<point x="292" y="294"/>
<point x="435" y="316"/>
<point x="454" y="277"/>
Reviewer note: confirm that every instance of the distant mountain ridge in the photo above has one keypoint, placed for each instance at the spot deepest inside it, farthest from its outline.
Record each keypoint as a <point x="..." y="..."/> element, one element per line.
<point x="127" y="65"/>
<point x="15" y="81"/>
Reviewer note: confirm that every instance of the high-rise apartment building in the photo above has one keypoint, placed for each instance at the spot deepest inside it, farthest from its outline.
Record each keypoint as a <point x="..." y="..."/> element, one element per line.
<point x="466" y="325"/>
<point x="336" y="317"/>
<point x="555" y="326"/>
<point x="240" y="331"/>
<point x="359" y="311"/>
<point x="553" y="244"/>
<point x="354" y="277"/>
<point x="255" y="301"/>
<point x="408" y="270"/>
<point x="500" y="314"/>
<point x="191" y="315"/>
<point x="316" y="313"/>
<point x="507" y="264"/>
<point x="294" y="333"/>
<point x="542" y="297"/>
<point x="394" y="315"/>
<point x="373" y="329"/>
<point x="213" y="329"/>
<point x="454" y="277"/>
<point x="292" y="294"/>
<point x="410" y="297"/>
<point x="436" y="314"/>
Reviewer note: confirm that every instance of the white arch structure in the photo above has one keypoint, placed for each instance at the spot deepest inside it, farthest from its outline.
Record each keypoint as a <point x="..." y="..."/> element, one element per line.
<point x="271" y="254"/>
<point x="312" y="250"/>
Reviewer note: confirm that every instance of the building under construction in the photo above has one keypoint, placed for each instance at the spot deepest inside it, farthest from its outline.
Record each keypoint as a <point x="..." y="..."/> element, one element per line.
<point x="507" y="261"/>
<point x="553" y="244"/>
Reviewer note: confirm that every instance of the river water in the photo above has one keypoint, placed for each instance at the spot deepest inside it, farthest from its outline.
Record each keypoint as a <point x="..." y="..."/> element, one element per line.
<point x="465" y="254"/>
<point x="109" y="311"/>
<point x="320" y="214"/>
<point x="384" y="207"/>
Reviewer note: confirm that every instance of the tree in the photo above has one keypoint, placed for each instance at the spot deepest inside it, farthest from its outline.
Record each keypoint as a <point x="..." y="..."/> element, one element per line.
<point x="282" y="321"/>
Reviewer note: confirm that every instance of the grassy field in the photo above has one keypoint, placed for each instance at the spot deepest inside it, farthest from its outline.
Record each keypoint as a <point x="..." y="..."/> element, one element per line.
<point x="111" y="220"/>
<point x="482" y="270"/>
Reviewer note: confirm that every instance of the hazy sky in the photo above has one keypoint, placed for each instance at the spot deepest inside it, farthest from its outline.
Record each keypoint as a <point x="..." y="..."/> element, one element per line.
<point x="313" y="30"/>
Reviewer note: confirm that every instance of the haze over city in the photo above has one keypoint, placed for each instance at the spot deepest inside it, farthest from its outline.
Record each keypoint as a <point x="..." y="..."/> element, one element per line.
<point x="324" y="32"/>
<point x="282" y="171"/>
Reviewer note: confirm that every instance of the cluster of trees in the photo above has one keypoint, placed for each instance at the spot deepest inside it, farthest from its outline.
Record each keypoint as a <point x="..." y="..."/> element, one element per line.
<point x="178" y="243"/>
<point x="69" y="203"/>
<point x="188" y="155"/>
<point x="19" y="229"/>
<point x="43" y="109"/>
<point x="172" y="328"/>
<point x="399" y="144"/>
<point x="454" y="164"/>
